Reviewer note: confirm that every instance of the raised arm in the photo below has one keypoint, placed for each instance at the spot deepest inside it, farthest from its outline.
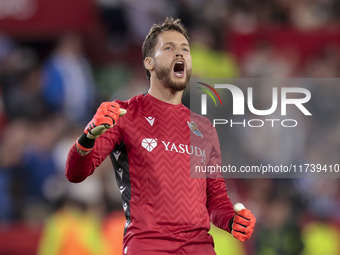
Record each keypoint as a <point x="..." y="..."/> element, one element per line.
<point x="93" y="146"/>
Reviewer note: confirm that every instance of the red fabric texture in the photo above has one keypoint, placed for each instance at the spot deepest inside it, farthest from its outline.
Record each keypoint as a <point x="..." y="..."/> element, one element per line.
<point x="170" y="210"/>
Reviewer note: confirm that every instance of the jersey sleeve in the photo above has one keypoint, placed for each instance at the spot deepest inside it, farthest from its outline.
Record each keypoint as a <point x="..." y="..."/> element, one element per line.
<point x="78" y="167"/>
<point x="218" y="203"/>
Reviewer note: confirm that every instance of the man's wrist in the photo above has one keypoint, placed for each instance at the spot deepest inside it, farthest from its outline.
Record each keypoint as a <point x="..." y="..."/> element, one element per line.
<point x="80" y="151"/>
<point x="230" y="224"/>
<point x="84" y="143"/>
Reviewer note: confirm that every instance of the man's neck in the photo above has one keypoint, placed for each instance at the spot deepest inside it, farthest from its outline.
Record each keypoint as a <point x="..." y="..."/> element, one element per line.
<point x="165" y="94"/>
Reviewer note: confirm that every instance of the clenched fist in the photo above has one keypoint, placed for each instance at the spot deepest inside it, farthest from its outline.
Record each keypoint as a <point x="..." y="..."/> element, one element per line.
<point x="243" y="225"/>
<point x="106" y="117"/>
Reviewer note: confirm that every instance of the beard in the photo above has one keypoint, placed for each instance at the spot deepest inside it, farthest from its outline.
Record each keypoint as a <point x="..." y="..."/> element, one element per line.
<point x="164" y="75"/>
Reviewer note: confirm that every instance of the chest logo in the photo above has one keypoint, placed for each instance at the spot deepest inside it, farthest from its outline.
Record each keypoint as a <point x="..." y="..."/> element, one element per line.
<point x="150" y="120"/>
<point x="149" y="144"/>
<point x="193" y="127"/>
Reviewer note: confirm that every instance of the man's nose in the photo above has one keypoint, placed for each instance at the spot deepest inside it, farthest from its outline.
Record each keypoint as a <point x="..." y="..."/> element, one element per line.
<point x="178" y="54"/>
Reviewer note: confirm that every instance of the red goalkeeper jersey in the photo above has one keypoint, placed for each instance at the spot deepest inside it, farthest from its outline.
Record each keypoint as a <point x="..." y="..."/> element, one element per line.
<point x="153" y="148"/>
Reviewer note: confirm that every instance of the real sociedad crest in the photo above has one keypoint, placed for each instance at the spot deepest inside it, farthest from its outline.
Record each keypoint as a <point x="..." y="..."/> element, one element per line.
<point x="193" y="127"/>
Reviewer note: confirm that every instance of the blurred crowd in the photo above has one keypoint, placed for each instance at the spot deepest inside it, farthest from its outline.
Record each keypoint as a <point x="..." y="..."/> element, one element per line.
<point x="48" y="98"/>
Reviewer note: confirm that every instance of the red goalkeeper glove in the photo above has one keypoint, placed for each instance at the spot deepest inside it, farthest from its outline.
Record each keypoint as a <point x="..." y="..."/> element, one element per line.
<point x="243" y="225"/>
<point x="106" y="117"/>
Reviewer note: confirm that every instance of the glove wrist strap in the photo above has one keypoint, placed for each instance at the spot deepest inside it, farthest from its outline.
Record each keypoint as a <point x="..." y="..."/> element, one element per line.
<point x="84" y="143"/>
<point x="230" y="224"/>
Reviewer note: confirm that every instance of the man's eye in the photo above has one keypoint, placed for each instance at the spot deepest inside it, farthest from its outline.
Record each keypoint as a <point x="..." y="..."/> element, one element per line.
<point x="186" y="50"/>
<point x="168" y="48"/>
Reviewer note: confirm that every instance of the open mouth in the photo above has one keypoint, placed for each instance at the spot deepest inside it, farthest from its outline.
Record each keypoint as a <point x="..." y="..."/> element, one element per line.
<point x="179" y="69"/>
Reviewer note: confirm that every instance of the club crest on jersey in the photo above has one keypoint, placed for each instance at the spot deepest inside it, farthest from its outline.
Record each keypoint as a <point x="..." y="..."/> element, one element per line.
<point x="193" y="127"/>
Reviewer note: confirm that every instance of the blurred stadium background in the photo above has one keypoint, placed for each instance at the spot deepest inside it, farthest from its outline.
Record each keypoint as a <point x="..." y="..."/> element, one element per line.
<point x="59" y="59"/>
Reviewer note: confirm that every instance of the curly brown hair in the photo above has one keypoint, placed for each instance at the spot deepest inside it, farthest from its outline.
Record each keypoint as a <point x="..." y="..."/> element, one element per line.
<point x="156" y="29"/>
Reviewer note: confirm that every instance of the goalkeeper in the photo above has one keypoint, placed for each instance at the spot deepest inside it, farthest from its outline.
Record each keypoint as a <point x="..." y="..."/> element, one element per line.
<point x="148" y="140"/>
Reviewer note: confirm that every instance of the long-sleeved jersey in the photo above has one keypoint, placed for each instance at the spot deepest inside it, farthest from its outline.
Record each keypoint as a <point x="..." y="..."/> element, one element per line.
<point x="159" y="151"/>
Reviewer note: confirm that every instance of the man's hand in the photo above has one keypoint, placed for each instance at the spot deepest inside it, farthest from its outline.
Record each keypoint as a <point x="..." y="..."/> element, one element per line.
<point x="106" y="117"/>
<point x="243" y="225"/>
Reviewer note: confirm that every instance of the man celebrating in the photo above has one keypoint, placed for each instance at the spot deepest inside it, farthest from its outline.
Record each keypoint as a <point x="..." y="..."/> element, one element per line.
<point x="152" y="148"/>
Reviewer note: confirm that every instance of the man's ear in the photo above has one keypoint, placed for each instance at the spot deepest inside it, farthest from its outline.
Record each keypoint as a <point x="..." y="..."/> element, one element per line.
<point x="149" y="63"/>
